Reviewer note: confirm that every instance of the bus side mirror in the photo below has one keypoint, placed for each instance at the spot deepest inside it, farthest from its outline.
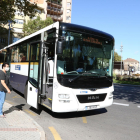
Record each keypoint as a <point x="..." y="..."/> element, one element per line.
<point x="59" y="48"/>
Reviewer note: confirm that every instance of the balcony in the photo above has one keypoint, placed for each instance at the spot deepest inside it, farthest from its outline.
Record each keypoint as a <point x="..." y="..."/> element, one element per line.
<point x="54" y="11"/>
<point x="55" y="18"/>
<point x="58" y="19"/>
<point x="54" y="4"/>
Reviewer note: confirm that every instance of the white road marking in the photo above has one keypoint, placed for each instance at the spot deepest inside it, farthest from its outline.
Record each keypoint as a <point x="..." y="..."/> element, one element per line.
<point x="138" y="106"/>
<point x="121" y="104"/>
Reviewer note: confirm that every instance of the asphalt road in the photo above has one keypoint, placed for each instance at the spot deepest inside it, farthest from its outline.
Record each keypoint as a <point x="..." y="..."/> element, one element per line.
<point x="121" y="121"/>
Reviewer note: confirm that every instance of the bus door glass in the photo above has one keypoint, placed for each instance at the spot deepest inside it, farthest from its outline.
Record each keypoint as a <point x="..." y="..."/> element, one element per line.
<point x="34" y="74"/>
<point x="47" y="57"/>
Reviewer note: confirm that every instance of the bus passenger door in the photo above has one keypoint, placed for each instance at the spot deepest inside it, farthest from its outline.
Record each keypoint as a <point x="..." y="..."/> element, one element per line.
<point x="33" y="85"/>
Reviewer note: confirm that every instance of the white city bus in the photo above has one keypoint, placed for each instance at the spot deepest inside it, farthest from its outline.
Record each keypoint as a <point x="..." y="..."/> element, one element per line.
<point x="64" y="67"/>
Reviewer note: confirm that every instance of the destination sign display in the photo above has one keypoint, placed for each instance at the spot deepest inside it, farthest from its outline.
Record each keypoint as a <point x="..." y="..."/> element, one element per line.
<point x="92" y="40"/>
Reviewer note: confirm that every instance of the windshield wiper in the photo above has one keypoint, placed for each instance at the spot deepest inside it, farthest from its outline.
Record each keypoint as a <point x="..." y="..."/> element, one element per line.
<point x="71" y="80"/>
<point x="107" y="78"/>
<point x="85" y="73"/>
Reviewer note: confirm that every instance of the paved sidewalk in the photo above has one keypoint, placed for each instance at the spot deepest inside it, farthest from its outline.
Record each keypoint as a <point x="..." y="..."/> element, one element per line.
<point x="19" y="126"/>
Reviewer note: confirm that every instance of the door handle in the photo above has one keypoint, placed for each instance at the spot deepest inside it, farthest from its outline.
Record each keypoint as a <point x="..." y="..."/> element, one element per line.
<point x="30" y="88"/>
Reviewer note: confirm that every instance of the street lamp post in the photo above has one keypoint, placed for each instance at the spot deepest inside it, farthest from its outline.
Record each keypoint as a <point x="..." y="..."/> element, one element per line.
<point x="121" y="49"/>
<point x="10" y="25"/>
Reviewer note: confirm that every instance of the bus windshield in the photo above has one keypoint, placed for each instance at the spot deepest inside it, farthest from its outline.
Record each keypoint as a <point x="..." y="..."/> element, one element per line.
<point x="85" y="54"/>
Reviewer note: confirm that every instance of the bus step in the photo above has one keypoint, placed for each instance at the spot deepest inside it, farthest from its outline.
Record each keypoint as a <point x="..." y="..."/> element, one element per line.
<point x="43" y="96"/>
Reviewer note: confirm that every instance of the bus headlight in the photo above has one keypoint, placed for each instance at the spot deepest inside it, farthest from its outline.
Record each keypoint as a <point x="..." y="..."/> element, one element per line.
<point x="64" y="96"/>
<point x="111" y="95"/>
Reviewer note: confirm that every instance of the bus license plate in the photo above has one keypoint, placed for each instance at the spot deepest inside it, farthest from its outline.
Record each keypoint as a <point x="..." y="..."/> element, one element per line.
<point x="90" y="107"/>
<point x="93" y="106"/>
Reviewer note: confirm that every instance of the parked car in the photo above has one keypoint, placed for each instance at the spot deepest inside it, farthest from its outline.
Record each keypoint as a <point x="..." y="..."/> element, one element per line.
<point x="137" y="72"/>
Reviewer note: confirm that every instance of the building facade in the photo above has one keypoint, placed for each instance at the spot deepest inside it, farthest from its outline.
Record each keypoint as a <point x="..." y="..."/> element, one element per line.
<point x="129" y="62"/>
<point x="67" y="10"/>
<point x="20" y="19"/>
<point x="58" y="10"/>
<point x="118" y="68"/>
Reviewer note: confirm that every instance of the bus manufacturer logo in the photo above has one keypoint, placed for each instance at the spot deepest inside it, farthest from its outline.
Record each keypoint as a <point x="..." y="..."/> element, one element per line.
<point x="93" y="89"/>
<point x="83" y="91"/>
<point x="93" y="97"/>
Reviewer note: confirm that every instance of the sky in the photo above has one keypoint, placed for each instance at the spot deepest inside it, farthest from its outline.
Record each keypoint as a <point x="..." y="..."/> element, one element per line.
<point x="120" y="18"/>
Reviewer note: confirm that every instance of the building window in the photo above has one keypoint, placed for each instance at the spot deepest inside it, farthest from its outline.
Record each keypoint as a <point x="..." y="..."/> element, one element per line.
<point x="68" y="4"/>
<point x="2" y="40"/>
<point x="19" y="13"/>
<point x="39" y="11"/>
<point x="68" y="11"/>
<point x="67" y="18"/>
<point x="18" y="30"/>
<point x="15" y="39"/>
<point x="34" y="18"/>
<point x="19" y="21"/>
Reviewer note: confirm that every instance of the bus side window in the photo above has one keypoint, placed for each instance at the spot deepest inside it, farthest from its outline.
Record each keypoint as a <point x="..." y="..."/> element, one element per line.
<point x="1" y="57"/>
<point x="35" y="53"/>
<point x="12" y="54"/>
<point x="15" y="54"/>
<point x="23" y="52"/>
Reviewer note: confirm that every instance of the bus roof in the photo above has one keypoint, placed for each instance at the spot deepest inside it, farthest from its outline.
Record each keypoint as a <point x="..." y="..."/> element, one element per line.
<point x="32" y="35"/>
<point x="69" y="26"/>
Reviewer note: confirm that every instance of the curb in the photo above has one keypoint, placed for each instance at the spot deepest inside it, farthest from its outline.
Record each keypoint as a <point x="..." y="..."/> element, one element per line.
<point x="126" y="84"/>
<point x="41" y="131"/>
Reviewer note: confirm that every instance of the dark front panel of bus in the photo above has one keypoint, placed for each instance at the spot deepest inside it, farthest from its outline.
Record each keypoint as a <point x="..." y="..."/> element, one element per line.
<point x="84" y="82"/>
<point x="91" y="98"/>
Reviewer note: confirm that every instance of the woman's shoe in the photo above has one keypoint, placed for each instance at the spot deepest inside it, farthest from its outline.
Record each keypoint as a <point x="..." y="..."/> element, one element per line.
<point x="2" y="116"/>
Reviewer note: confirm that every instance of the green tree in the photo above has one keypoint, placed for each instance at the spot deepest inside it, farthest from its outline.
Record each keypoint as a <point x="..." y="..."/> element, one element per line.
<point x="117" y="57"/>
<point x="35" y="25"/>
<point x="4" y="36"/>
<point x="7" y="9"/>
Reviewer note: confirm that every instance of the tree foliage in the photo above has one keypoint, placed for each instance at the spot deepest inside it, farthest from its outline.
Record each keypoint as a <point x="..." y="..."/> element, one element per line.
<point x="117" y="57"/>
<point x="7" y="9"/>
<point x="35" y="25"/>
<point x="4" y="37"/>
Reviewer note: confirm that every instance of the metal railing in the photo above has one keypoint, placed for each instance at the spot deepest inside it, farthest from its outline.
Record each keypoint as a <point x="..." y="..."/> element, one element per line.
<point x="54" y="2"/>
<point x="55" y="17"/>
<point x="55" y="9"/>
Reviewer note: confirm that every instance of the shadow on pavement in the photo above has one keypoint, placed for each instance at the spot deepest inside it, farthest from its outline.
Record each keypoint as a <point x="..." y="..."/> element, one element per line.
<point x="73" y="114"/>
<point x="79" y="114"/>
<point x="57" y="115"/>
<point x="128" y="93"/>
<point x="13" y="108"/>
<point x="37" y="111"/>
<point x="19" y="93"/>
